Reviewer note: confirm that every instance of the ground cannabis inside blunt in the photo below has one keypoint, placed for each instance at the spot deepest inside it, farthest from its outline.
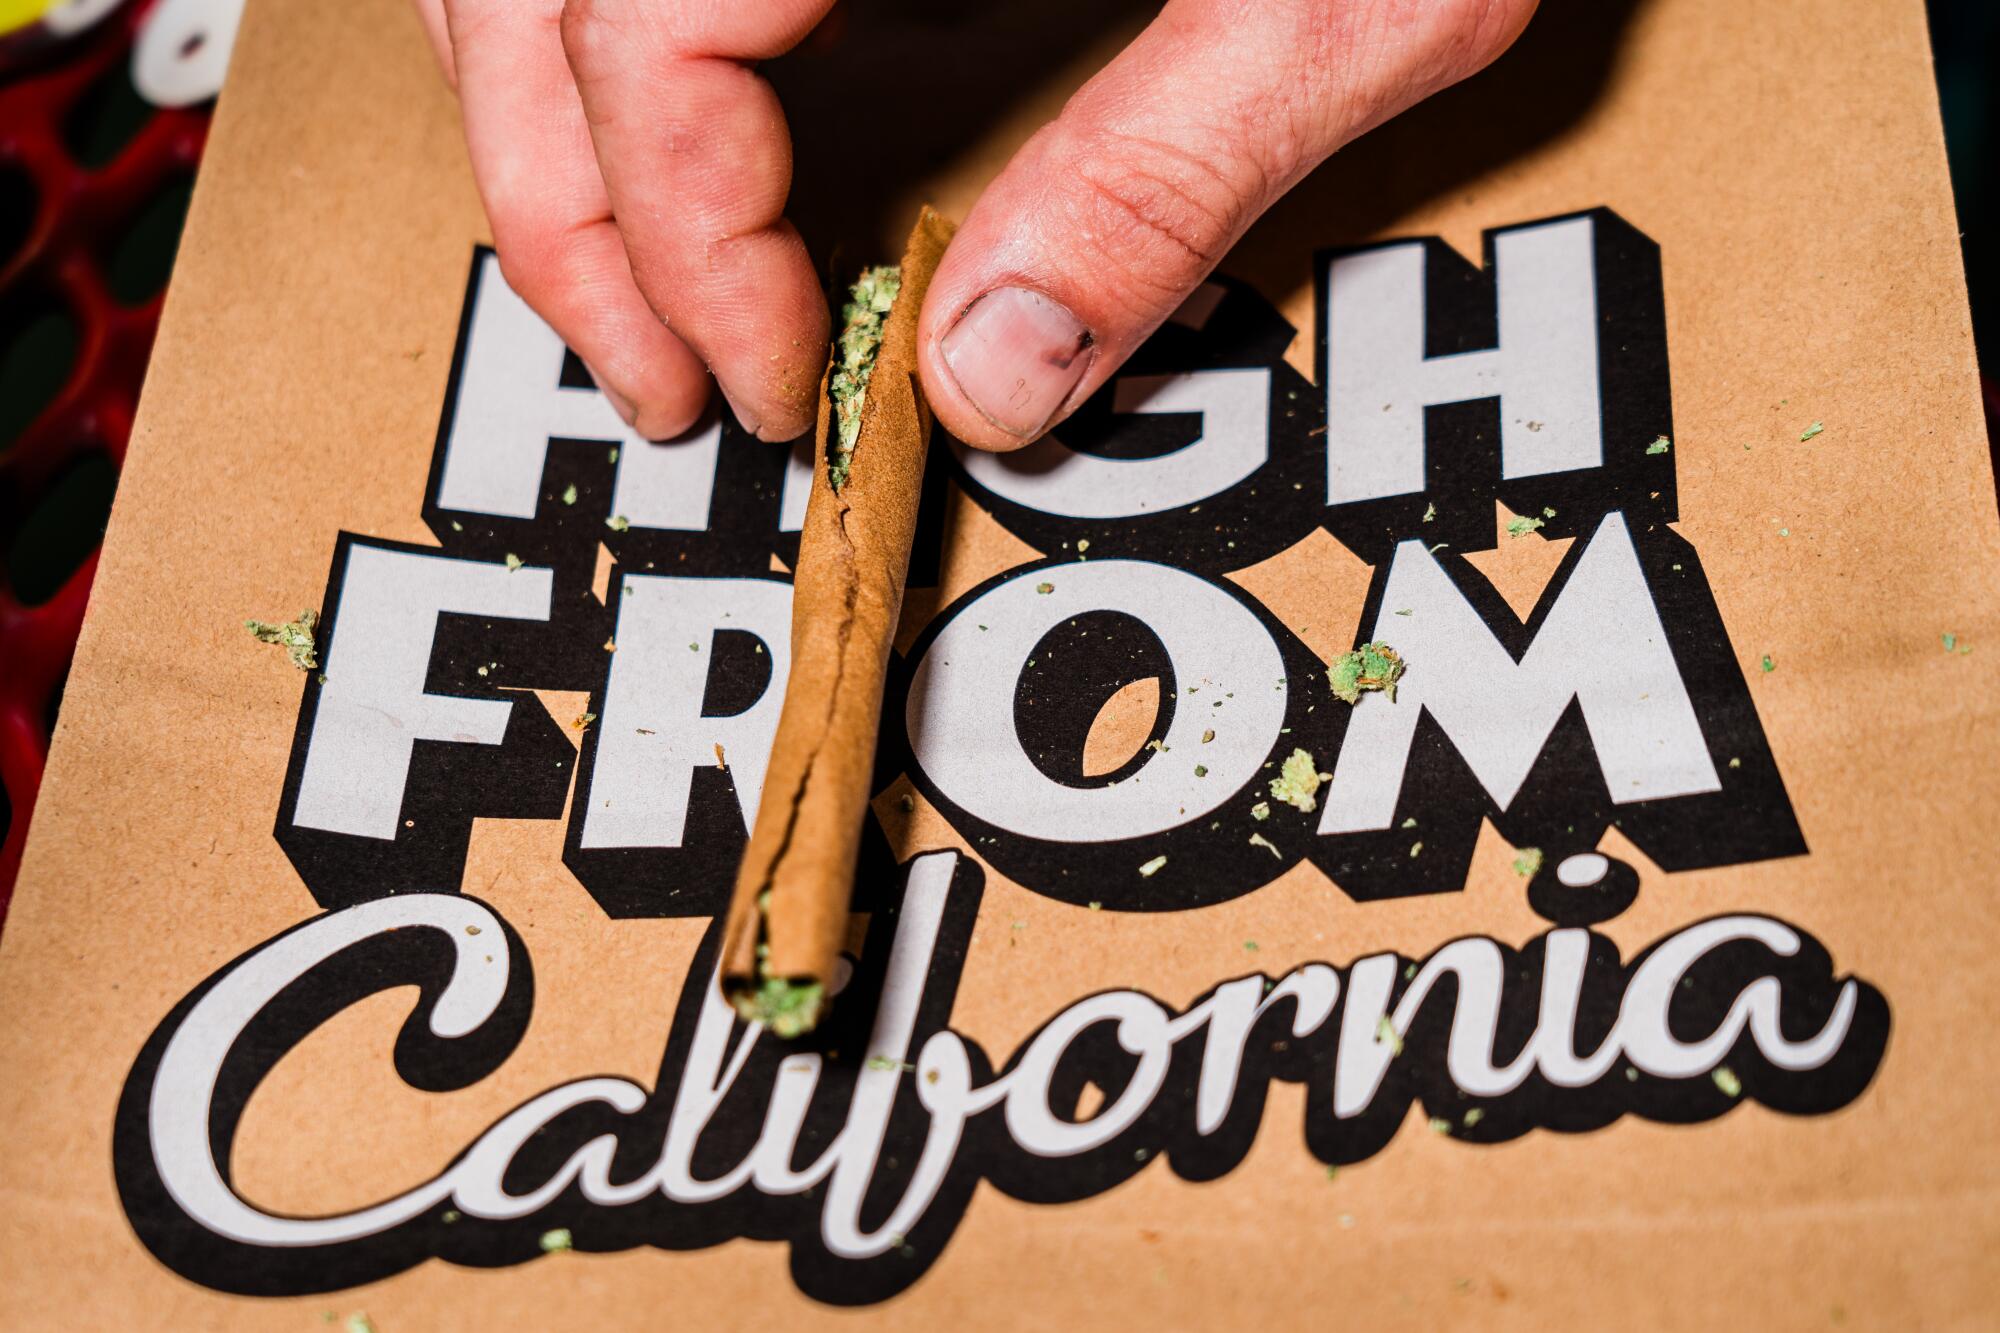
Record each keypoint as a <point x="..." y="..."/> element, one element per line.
<point x="1372" y="666"/>
<point x="788" y="1008"/>
<point x="862" y="320"/>
<point x="295" y="636"/>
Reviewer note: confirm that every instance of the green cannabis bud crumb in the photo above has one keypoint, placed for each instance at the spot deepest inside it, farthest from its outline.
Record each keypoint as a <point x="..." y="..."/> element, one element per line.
<point x="1725" y="1079"/>
<point x="1261" y="811"/>
<point x="1430" y="512"/>
<point x="618" y="522"/>
<point x="1372" y="666"/>
<point x="1250" y="945"/>
<point x="1811" y="431"/>
<point x="1439" y="1125"/>
<point x="583" y="721"/>
<point x="1297" y="781"/>
<point x="1152" y="867"/>
<point x="1045" y="588"/>
<point x="569" y="494"/>
<point x="884" y="1062"/>
<point x="1659" y="446"/>
<point x="1768" y="664"/>
<point x="862" y="320"/>
<point x="1410" y="822"/>
<point x="1527" y="861"/>
<point x="1095" y="906"/>
<point x="294" y="636"/>
<point x="1415" y="848"/>
<point x="1522" y="526"/>
<point x="1385" y="1032"/>
<point x="513" y="562"/>
<point x="1201" y="770"/>
<point x="1259" y="840"/>
<point x="613" y="456"/>
<point x="1473" y="1117"/>
<point x="359" y="1322"/>
<point x="1082" y="545"/>
<point x="557" y="1240"/>
<point x="786" y="1007"/>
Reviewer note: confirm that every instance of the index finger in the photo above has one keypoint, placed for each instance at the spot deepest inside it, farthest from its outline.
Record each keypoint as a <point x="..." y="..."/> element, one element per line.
<point x="552" y="223"/>
<point x="696" y="157"/>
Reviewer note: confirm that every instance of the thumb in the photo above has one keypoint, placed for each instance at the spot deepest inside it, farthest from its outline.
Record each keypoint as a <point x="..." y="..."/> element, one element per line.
<point x="1112" y="214"/>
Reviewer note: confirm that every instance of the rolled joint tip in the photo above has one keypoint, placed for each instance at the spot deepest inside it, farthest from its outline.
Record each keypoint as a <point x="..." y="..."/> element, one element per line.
<point x="787" y="1006"/>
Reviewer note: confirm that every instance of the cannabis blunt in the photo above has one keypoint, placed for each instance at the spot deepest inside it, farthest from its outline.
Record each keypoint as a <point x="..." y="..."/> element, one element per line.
<point x="789" y="915"/>
<point x="862" y="321"/>
<point x="294" y="636"/>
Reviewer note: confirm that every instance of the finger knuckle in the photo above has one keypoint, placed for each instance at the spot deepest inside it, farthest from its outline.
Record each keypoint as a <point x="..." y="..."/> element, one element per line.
<point x="1488" y="27"/>
<point x="1279" y="128"/>
<point x="1441" y="41"/>
<point x="1161" y="215"/>
<point x="590" y="27"/>
<point x="532" y="260"/>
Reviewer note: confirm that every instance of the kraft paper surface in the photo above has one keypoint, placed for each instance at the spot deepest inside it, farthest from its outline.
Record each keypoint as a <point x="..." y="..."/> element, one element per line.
<point x="1633" y="967"/>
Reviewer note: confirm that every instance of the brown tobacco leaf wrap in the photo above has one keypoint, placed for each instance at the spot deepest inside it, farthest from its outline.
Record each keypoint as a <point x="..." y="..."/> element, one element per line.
<point x="847" y="592"/>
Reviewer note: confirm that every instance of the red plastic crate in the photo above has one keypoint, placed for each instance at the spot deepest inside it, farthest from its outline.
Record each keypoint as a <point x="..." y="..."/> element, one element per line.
<point x="77" y="216"/>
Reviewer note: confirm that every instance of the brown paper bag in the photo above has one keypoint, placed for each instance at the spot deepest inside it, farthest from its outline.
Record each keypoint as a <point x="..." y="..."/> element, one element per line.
<point x="1630" y="967"/>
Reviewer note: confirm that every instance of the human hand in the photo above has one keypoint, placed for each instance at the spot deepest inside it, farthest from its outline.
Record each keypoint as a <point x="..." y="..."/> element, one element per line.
<point x="635" y="168"/>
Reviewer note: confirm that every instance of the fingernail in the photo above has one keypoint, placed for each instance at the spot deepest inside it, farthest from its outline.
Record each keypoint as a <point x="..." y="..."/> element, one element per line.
<point x="619" y="402"/>
<point x="1015" y="354"/>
